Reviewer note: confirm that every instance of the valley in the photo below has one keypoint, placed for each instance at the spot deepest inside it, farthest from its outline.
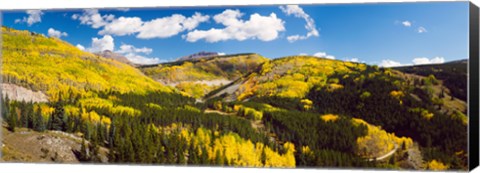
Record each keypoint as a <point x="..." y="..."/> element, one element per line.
<point x="240" y="110"/>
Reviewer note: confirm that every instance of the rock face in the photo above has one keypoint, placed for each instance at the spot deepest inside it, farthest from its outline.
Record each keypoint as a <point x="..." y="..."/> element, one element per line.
<point x="18" y="93"/>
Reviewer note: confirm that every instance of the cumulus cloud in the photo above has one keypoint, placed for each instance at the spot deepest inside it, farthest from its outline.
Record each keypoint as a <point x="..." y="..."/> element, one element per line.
<point x="423" y="60"/>
<point x="55" y="33"/>
<point x="122" y="26"/>
<point x="156" y="28"/>
<point x="298" y="12"/>
<point x="221" y="53"/>
<point x="421" y="30"/>
<point x="169" y="26"/>
<point x="415" y="61"/>
<point x="79" y="46"/>
<point x="138" y="55"/>
<point x="34" y="16"/>
<point x="323" y="55"/>
<point x="93" y="18"/>
<point x="407" y="23"/>
<point x="126" y="48"/>
<point x="102" y="44"/>
<point x="390" y="63"/>
<point x="264" y="28"/>
<point x="139" y="59"/>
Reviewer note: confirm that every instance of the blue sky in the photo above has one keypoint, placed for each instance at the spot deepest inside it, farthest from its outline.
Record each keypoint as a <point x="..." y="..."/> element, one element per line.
<point x="387" y="34"/>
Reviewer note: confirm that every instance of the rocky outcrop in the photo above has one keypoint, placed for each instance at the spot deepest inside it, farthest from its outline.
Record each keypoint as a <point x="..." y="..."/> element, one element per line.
<point x="15" y="92"/>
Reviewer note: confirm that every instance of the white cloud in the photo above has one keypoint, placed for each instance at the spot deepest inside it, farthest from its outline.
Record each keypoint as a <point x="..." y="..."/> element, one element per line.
<point x="221" y="53"/>
<point x="169" y="26"/>
<point x="192" y="22"/>
<point x="415" y="61"/>
<point x="330" y="57"/>
<point x="126" y="48"/>
<point x="122" y="26"/>
<point x="323" y="55"/>
<point x="264" y="28"/>
<point x="55" y="33"/>
<point x="421" y="30"/>
<point x="79" y="46"/>
<point x="352" y="59"/>
<point x="93" y="18"/>
<point x="407" y="23"/>
<point x="298" y="12"/>
<point x="390" y="63"/>
<point x="139" y="59"/>
<point x="423" y="60"/>
<point x="34" y="16"/>
<point x="320" y="54"/>
<point x="101" y="44"/>
<point x="157" y="28"/>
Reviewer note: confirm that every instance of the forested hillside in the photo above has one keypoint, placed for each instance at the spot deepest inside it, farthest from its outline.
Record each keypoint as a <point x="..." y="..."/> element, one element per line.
<point x="412" y="107"/>
<point x="115" y="106"/>
<point x="453" y="74"/>
<point x="298" y="111"/>
<point x="198" y="77"/>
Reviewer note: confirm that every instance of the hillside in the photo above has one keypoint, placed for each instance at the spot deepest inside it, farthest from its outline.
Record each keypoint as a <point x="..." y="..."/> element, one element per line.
<point x="298" y="111"/>
<point x="424" y="111"/>
<point x="198" y="77"/>
<point x="55" y="68"/>
<point x="453" y="74"/>
<point x="114" y="106"/>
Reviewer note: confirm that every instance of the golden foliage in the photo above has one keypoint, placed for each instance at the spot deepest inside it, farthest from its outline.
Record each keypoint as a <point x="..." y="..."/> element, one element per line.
<point x="293" y="77"/>
<point x="307" y="104"/>
<point x="329" y="117"/>
<point x="378" y="142"/>
<point x="436" y="165"/>
<point x="58" y="68"/>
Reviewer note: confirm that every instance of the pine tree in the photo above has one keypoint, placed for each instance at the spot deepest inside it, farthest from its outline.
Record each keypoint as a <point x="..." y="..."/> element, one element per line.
<point x="5" y="109"/>
<point x="58" y="116"/>
<point x="39" y="124"/>
<point x="12" y="120"/>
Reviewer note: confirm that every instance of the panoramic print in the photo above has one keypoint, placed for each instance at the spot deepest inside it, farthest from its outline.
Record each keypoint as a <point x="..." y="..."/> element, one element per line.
<point x="370" y="86"/>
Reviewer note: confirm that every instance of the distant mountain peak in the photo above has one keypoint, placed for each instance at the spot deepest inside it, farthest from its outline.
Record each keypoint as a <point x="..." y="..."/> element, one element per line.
<point x="112" y="55"/>
<point x="198" y="55"/>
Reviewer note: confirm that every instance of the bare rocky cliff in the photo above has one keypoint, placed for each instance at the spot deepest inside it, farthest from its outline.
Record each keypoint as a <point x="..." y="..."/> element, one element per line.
<point x="15" y="92"/>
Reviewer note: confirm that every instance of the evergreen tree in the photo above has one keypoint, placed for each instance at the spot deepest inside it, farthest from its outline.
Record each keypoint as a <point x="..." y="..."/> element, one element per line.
<point x="58" y="116"/>
<point x="12" y="120"/>
<point x="39" y="124"/>
<point x="5" y="109"/>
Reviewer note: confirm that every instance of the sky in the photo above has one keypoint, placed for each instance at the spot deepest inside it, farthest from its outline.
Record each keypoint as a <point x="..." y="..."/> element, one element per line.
<point x="384" y="34"/>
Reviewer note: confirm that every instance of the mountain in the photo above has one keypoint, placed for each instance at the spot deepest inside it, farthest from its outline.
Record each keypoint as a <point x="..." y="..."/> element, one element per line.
<point x="55" y="67"/>
<point x="121" y="115"/>
<point x="112" y="55"/>
<point x="453" y="74"/>
<point x="230" y="110"/>
<point x="200" y="76"/>
<point x="417" y="107"/>
<point x="198" y="55"/>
